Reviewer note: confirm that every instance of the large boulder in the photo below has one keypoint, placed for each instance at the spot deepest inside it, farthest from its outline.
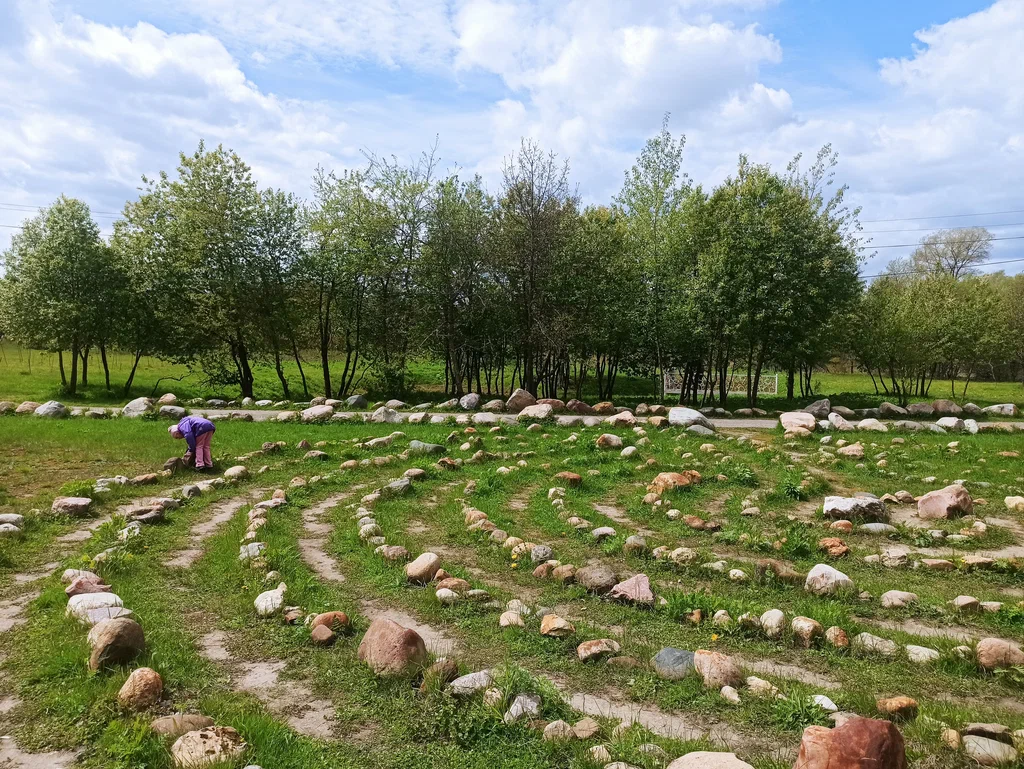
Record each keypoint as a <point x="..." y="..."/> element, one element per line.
<point x="995" y="653"/>
<point x="73" y="506"/>
<point x="943" y="406"/>
<point x="717" y="669"/>
<point x="855" y="508"/>
<point x="826" y="580"/>
<point x="322" y="413"/>
<point x="668" y="481"/>
<point x="423" y="569"/>
<point x="390" y="649"/>
<point x="519" y="400"/>
<point x="819" y="409"/>
<point x="951" y="502"/>
<point x="536" y="411"/>
<point x="597" y="578"/>
<point x="213" y="746"/>
<point x="921" y="409"/>
<point x="680" y="416"/>
<point x="469" y="402"/>
<point x="139" y="407"/>
<point x="141" y="690"/>
<point x="115" y="642"/>
<point x="357" y="402"/>
<point x="579" y="407"/>
<point x="792" y="420"/>
<point x="860" y="743"/>
<point x="52" y="410"/>
<point x="27" y="407"/>
<point x="673" y="664"/>
<point x="1003" y="410"/>
<point x="635" y="590"/>
<point x="386" y="415"/>
<point x="172" y="412"/>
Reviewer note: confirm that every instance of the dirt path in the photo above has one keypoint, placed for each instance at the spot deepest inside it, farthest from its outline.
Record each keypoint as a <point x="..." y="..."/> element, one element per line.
<point x="13" y="758"/>
<point x="312" y="547"/>
<point x="220" y="513"/>
<point x="289" y="699"/>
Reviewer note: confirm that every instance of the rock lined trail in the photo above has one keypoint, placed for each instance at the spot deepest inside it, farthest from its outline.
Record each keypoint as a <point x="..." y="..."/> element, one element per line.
<point x="220" y="513"/>
<point x="289" y="699"/>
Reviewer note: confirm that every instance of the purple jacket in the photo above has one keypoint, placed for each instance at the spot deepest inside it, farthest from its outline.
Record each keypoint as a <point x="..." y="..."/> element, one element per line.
<point x="192" y="427"/>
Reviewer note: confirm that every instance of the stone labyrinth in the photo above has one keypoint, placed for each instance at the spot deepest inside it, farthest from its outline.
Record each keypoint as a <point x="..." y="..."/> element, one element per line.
<point x="609" y="589"/>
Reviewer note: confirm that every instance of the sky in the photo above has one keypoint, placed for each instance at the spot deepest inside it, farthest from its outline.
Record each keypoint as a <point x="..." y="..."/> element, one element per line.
<point x="922" y="99"/>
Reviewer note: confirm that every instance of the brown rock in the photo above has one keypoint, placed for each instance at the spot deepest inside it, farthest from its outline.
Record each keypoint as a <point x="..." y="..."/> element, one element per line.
<point x="950" y="502"/>
<point x="898" y="708"/>
<point x="81" y="585"/>
<point x="456" y="584"/>
<point x="837" y="637"/>
<point x="598" y="578"/>
<point x="571" y="480"/>
<point x="115" y="642"/>
<point x="213" y="746"/>
<point x="995" y="653"/>
<point x="806" y="631"/>
<point x="566" y="573"/>
<point x="179" y="724"/>
<point x="667" y="481"/>
<point x="322" y="635"/>
<point x="554" y="626"/>
<point x="604" y="408"/>
<point x="635" y="590"/>
<point x="423" y="569"/>
<point x="860" y="743"/>
<point x="597" y="649"/>
<point x="768" y="568"/>
<point x="142" y="689"/>
<point x="579" y="407"/>
<point x="390" y="649"/>
<point x="834" y="546"/>
<point x="717" y="669"/>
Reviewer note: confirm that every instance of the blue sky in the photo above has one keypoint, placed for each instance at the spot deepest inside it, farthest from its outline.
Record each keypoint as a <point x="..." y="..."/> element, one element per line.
<point x="923" y="100"/>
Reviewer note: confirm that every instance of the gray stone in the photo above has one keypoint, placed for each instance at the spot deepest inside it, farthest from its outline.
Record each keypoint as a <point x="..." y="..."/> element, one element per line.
<point x="52" y="410"/>
<point x="672" y="664"/>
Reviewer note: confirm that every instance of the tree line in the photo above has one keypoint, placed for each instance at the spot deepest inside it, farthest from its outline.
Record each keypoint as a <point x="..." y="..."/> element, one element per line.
<point x="396" y="262"/>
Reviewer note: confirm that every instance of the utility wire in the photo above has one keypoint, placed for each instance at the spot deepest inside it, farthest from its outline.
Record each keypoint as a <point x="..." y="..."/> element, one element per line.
<point x="946" y="216"/>
<point x="933" y="272"/>
<point x="942" y="242"/>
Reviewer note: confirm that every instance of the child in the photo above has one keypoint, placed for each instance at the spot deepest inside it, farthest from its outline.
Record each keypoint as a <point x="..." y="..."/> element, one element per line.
<point x="197" y="433"/>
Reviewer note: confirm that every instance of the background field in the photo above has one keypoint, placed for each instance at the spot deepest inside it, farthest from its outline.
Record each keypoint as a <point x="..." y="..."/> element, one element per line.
<point x="33" y="375"/>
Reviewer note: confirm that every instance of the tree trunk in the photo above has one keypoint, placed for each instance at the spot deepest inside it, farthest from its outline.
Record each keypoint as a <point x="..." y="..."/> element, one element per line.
<point x="60" y="362"/>
<point x="131" y="374"/>
<point x="106" y="367"/>
<point x="73" y="385"/>
<point x="85" y="367"/>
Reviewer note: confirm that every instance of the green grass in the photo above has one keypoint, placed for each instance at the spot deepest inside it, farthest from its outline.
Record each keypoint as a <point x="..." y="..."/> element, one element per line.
<point x="387" y="722"/>
<point x="34" y="375"/>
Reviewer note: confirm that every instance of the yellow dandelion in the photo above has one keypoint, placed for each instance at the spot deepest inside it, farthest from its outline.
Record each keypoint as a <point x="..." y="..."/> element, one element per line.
<point x="514" y="565"/>
<point x="714" y="636"/>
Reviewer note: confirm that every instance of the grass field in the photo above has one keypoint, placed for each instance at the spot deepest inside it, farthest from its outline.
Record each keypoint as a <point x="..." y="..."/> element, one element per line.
<point x="299" y="705"/>
<point x="32" y="375"/>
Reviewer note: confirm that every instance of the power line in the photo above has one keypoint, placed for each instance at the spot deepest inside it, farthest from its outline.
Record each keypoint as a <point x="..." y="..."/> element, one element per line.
<point x="942" y="242"/>
<point x="946" y="229"/>
<point x="31" y="209"/>
<point x="933" y="272"/>
<point x="946" y="216"/>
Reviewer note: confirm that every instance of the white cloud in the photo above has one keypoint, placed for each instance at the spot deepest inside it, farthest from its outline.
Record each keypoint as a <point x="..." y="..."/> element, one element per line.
<point x="85" y="108"/>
